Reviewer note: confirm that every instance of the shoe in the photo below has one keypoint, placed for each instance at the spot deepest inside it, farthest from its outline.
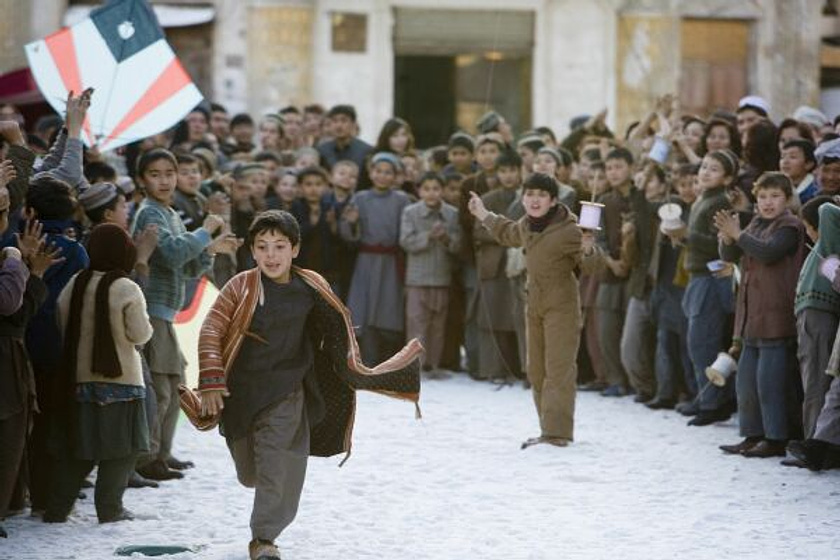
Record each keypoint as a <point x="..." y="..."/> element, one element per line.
<point x="614" y="391"/>
<point x="739" y="448"/>
<point x="137" y="481"/>
<point x="810" y="451"/>
<point x="259" y="549"/>
<point x="82" y="495"/>
<point x="706" y="417"/>
<point x="123" y="515"/>
<point x="660" y="404"/>
<point x="526" y="384"/>
<point x="688" y="408"/>
<point x="793" y="462"/>
<point x="3" y="533"/>
<point x="179" y="465"/>
<point x="593" y="386"/>
<point x="530" y="441"/>
<point x="50" y="517"/>
<point x="766" y="448"/>
<point x="157" y="470"/>
<point x="642" y="397"/>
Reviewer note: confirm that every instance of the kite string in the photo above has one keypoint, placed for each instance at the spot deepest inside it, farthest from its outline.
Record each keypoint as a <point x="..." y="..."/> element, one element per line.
<point x="493" y="58"/>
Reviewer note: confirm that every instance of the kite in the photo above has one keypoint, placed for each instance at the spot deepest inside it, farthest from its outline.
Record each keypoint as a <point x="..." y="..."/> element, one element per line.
<point x="119" y="51"/>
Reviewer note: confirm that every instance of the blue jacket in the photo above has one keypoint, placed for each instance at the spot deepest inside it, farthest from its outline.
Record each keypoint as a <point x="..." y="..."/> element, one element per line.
<point x="43" y="338"/>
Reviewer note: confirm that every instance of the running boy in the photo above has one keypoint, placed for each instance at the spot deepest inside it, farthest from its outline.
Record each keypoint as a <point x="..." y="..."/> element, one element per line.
<point x="278" y="363"/>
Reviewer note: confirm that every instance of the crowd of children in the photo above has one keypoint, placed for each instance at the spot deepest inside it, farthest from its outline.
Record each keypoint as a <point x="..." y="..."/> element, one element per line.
<point x="717" y="243"/>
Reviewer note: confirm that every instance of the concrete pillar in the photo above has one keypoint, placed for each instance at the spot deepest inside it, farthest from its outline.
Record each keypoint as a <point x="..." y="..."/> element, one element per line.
<point x="787" y="55"/>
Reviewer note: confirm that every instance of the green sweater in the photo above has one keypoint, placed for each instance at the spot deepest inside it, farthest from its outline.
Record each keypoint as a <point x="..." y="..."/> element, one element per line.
<point x="814" y="291"/>
<point x="702" y="240"/>
<point x="179" y="255"/>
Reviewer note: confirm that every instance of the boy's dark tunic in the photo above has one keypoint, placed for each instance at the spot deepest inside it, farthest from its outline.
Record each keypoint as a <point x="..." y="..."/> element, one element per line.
<point x="275" y="357"/>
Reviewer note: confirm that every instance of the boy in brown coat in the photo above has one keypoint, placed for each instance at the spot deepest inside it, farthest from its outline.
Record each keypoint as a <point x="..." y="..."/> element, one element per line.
<point x="553" y="251"/>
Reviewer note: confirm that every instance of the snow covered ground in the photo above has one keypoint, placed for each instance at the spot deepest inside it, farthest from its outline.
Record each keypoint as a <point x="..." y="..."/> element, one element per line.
<point x="636" y="484"/>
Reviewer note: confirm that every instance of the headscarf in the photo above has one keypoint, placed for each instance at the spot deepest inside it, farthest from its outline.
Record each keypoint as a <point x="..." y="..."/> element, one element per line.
<point x="111" y="251"/>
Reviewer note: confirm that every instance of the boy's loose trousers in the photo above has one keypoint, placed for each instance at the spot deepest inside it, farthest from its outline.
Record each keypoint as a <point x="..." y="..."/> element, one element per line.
<point x="553" y="338"/>
<point x="272" y="460"/>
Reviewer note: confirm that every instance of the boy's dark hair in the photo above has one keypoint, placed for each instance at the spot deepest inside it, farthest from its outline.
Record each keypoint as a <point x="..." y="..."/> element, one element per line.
<point x="509" y="158"/>
<point x="660" y="173"/>
<point x="186" y="159"/>
<point x="440" y="156"/>
<point x="773" y="180"/>
<point x="315" y="171"/>
<point x="597" y="165"/>
<point x="314" y="108"/>
<point x="810" y="212"/>
<point x="621" y="153"/>
<point x="346" y="163"/>
<point x="431" y="176"/>
<point x="50" y="198"/>
<point x="98" y="171"/>
<point x="37" y="142"/>
<point x="153" y="155"/>
<point x="592" y="154"/>
<point x="453" y="176"/>
<point x="217" y="108"/>
<point x="688" y="169"/>
<point x="267" y="156"/>
<point x="289" y="109"/>
<point x="274" y="221"/>
<point x="547" y="131"/>
<point x="241" y="119"/>
<point x="97" y="215"/>
<point x="806" y="146"/>
<point x="542" y="182"/>
<point x="347" y="110"/>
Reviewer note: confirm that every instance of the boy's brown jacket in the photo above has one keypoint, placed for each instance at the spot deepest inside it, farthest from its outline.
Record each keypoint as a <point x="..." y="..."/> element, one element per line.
<point x="552" y="258"/>
<point x="338" y="371"/>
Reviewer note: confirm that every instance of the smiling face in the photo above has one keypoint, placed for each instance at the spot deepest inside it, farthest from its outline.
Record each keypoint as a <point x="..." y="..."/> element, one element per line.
<point x="545" y="164"/>
<point x="712" y="174"/>
<point x="159" y="180"/>
<point x="345" y="177"/>
<point x="537" y="202"/>
<point x="273" y="253"/>
<point x="383" y="175"/>
<point x="718" y="138"/>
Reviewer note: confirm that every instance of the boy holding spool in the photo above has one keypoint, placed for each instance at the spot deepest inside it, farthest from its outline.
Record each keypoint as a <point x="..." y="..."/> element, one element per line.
<point x="553" y="250"/>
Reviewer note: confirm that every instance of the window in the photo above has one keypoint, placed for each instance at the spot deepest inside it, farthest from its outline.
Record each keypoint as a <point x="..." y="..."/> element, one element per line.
<point x="349" y="32"/>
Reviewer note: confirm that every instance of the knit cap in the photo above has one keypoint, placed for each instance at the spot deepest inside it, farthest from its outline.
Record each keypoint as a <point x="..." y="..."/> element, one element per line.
<point x="462" y="140"/>
<point x="98" y="195"/>
<point x="489" y="122"/>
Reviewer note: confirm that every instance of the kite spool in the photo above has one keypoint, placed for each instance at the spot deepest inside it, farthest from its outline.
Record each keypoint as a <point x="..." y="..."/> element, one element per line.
<point x="660" y="150"/>
<point x="590" y="215"/>
<point x="671" y="216"/>
<point x="723" y="367"/>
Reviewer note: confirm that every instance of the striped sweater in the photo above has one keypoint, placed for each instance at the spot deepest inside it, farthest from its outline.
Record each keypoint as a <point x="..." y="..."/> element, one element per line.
<point x="338" y="370"/>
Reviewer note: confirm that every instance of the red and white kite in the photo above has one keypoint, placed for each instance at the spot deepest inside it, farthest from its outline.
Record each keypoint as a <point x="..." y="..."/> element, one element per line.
<point x="120" y="51"/>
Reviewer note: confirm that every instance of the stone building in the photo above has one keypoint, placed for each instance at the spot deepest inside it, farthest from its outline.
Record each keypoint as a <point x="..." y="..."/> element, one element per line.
<point x="441" y="63"/>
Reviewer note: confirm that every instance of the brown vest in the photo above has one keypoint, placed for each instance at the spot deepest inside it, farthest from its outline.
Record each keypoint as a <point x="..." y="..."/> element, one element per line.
<point x="765" y="300"/>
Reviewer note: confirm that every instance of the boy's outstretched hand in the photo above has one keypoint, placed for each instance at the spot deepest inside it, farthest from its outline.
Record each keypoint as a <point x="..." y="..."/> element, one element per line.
<point x="476" y="207"/>
<point x="212" y="402"/>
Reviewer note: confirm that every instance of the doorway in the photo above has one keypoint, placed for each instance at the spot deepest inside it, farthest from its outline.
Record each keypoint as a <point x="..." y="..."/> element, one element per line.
<point x="453" y="65"/>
